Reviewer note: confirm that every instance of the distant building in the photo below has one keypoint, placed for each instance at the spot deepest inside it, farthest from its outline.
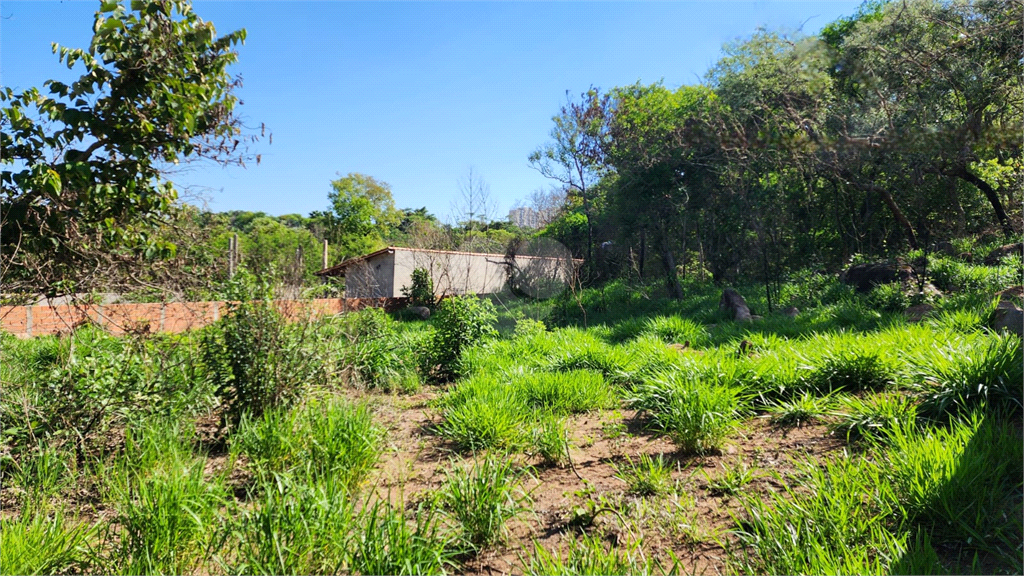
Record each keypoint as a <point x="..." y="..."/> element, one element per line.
<point x="383" y="274"/>
<point x="530" y="218"/>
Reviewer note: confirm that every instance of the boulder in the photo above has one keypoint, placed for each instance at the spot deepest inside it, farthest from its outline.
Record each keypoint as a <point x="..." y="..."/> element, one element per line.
<point x="866" y="276"/>
<point x="998" y="254"/>
<point x="1012" y="297"/>
<point x="918" y="312"/>
<point x="946" y="248"/>
<point x="1010" y="320"/>
<point x="422" y="311"/>
<point x="791" y="311"/>
<point x="735" y="304"/>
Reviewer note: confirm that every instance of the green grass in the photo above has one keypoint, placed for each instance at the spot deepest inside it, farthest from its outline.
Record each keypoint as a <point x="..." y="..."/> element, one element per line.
<point x="40" y="541"/>
<point x="483" y="497"/>
<point x="696" y="416"/>
<point x="647" y="476"/>
<point x="800" y="410"/>
<point x="956" y="378"/>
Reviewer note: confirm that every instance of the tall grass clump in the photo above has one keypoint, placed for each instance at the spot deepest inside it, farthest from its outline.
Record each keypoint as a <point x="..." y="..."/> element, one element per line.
<point x="695" y="415"/>
<point x="40" y="541"/>
<point x="647" y="476"/>
<point x="835" y="524"/>
<point x="482" y="413"/>
<point x="483" y="497"/>
<point x="871" y="416"/>
<point x="293" y="528"/>
<point x="374" y="354"/>
<point x="589" y="555"/>
<point x="962" y="484"/>
<point x="388" y="543"/>
<point x="166" y="509"/>
<point x="325" y="439"/>
<point x="852" y="371"/>
<point x="954" y="379"/>
<point x="254" y="358"/>
<point x="565" y="392"/>
<point x="674" y="329"/>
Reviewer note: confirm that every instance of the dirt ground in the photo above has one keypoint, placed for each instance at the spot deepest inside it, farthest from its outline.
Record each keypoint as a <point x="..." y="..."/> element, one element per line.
<point x="692" y="523"/>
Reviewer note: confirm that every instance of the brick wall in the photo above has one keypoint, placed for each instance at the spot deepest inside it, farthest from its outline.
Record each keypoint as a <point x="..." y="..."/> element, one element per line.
<point x="172" y="317"/>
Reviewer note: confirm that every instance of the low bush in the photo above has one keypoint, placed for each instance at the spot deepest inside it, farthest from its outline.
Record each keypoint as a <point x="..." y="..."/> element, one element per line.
<point x="460" y="322"/>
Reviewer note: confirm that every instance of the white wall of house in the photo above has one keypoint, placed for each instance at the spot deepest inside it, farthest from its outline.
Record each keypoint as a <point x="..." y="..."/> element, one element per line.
<point x="385" y="274"/>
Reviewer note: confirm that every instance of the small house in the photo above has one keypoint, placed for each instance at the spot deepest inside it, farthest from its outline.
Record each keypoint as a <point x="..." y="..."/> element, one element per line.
<point x="384" y="273"/>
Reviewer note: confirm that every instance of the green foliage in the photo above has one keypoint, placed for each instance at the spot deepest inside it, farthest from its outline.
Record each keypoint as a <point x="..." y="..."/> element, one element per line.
<point x="588" y="555"/>
<point x="799" y="410"/>
<point x="648" y="476"/>
<point x="323" y="441"/>
<point x="868" y="417"/>
<point x="38" y="542"/>
<point x="483" y="498"/>
<point x="888" y="297"/>
<point x="550" y="440"/>
<point x="421" y="293"/>
<point x="957" y="378"/>
<point x="697" y="416"/>
<point x="731" y="481"/>
<point x="852" y="371"/>
<point x="388" y="543"/>
<point x="254" y="358"/>
<point x="376" y="355"/>
<point x="90" y="156"/>
<point x="959" y="482"/>
<point x="460" y="322"/>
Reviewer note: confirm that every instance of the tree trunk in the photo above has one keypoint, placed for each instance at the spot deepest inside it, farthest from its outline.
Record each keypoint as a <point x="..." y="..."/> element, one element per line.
<point x="993" y="198"/>
<point x="643" y="251"/>
<point x="669" y="261"/>
<point x="901" y="218"/>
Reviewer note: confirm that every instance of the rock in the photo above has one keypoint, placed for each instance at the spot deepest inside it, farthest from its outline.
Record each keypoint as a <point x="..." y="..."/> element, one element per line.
<point x="791" y="311"/>
<point x="998" y="254"/>
<point x="946" y="248"/>
<point x="1010" y="320"/>
<point x="732" y="301"/>
<point x="422" y="311"/>
<point x="1012" y="297"/>
<point x="918" y="312"/>
<point x="866" y="276"/>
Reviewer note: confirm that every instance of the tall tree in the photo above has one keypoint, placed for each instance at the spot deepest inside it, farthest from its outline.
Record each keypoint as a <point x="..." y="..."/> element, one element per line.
<point x="86" y="178"/>
<point x="573" y="156"/>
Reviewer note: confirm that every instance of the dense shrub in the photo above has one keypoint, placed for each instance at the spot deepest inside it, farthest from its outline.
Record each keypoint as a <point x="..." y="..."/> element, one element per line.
<point x="255" y="359"/>
<point x="460" y="322"/>
<point x="421" y="292"/>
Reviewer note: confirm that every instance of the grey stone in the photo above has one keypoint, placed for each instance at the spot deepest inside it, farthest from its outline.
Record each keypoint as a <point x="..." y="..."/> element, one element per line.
<point x="421" y="311"/>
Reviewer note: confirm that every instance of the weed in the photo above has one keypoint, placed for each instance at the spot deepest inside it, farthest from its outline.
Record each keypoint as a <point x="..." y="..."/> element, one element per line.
<point x="732" y="480"/>
<point x="588" y="555"/>
<point x="861" y="418"/>
<point x="696" y="417"/>
<point x="647" y="476"/>
<point x="955" y="379"/>
<point x="483" y="497"/>
<point x="460" y="322"/>
<point x="37" y="542"/>
<point x="800" y="410"/>
<point x="386" y="543"/>
<point x="852" y="371"/>
<point x="550" y="440"/>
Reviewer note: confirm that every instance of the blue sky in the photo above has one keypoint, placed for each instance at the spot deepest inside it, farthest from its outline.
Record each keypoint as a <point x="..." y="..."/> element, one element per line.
<point x="416" y="93"/>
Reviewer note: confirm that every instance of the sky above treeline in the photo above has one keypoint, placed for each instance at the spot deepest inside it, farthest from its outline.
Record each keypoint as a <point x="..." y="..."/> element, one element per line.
<point x="416" y="93"/>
